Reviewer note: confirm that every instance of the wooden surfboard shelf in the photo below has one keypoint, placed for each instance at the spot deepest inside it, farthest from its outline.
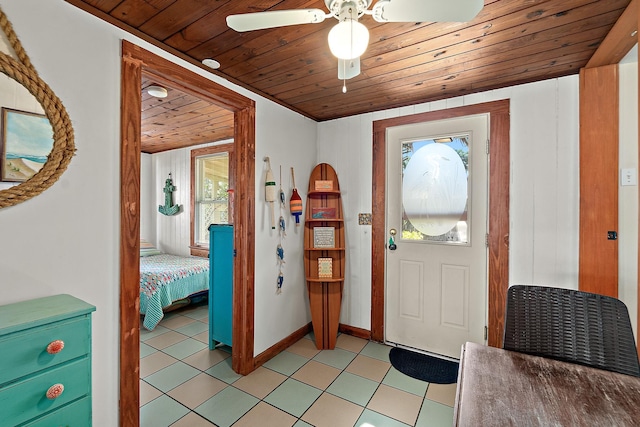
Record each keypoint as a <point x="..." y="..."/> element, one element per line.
<point x="324" y="253"/>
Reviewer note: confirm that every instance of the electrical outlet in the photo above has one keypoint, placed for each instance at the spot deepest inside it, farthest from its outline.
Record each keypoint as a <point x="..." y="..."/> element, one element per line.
<point x="628" y="176"/>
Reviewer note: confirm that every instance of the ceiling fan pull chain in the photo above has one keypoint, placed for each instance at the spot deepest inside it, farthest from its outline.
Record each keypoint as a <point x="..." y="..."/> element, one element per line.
<point x="344" y="73"/>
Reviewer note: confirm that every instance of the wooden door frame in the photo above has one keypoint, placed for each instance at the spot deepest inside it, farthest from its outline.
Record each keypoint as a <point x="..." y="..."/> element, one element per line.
<point x="498" y="263"/>
<point x="136" y="62"/>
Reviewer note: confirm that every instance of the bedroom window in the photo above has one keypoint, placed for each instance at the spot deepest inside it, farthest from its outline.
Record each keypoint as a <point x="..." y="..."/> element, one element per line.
<point x="210" y="182"/>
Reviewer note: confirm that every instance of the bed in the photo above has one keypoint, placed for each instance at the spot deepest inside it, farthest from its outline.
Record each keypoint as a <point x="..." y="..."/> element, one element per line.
<point x="167" y="281"/>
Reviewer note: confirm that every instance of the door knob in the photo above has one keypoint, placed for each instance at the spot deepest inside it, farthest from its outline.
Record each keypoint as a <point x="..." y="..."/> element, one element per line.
<point x="392" y="243"/>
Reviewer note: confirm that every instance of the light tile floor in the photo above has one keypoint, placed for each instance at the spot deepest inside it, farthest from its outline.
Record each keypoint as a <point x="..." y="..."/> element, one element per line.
<point x="183" y="384"/>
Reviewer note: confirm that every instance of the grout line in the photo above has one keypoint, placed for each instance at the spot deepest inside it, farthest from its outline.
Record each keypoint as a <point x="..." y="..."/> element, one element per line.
<point x="322" y="391"/>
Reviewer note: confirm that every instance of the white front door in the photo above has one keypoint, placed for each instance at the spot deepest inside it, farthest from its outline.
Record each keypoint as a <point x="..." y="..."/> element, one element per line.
<point x="436" y="259"/>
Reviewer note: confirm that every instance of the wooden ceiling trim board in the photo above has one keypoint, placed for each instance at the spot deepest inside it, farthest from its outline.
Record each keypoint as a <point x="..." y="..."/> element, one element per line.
<point x="135" y="12"/>
<point x="620" y="39"/>
<point x="192" y="132"/>
<point x="172" y="19"/>
<point x="162" y="146"/>
<point x="193" y="119"/>
<point x="172" y="105"/>
<point x="159" y="145"/>
<point x="105" y="5"/>
<point x="197" y="131"/>
<point x="197" y="125"/>
<point x="180" y="109"/>
<point x="208" y="28"/>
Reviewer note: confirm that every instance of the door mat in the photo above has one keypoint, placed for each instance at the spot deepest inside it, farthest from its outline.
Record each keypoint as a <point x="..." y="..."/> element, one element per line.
<point x="424" y="367"/>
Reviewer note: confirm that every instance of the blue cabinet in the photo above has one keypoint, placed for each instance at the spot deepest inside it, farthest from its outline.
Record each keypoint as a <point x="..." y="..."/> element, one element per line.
<point x="45" y="362"/>
<point x="220" y="284"/>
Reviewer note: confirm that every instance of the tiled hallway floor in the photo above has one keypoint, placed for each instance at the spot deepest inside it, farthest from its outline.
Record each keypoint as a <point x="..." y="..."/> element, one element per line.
<point x="184" y="384"/>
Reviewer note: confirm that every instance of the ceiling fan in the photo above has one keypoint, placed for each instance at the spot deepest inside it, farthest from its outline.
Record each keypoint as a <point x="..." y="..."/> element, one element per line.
<point x="348" y="39"/>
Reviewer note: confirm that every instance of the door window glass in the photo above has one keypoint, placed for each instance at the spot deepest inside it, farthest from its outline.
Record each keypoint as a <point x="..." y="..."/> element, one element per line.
<point x="435" y="196"/>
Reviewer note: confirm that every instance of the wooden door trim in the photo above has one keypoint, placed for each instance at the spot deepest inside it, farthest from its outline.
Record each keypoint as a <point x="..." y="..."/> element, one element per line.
<point x="599" y="159"/>
<point x="136" y="62"/>
<point x="498" y="273"/>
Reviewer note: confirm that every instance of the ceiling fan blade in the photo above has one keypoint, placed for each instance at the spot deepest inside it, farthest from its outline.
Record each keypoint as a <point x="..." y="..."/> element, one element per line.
<point x="348" y="68"/>
<point x="426" y="10"/>
<point x="274" y="18"/>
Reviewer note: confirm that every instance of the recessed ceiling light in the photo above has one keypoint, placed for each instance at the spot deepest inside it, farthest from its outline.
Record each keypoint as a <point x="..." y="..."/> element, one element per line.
<point x="211" y="63"/>
<point x="157" y="91"/>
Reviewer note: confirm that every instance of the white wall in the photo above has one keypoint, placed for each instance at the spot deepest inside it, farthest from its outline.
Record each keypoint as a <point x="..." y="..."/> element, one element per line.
<point x="66" y="240"/>
<point x="628" y="195"/>
<point x="544" y="192"/>
<point x="173" y="231"/>
<point x="147" y="200"/>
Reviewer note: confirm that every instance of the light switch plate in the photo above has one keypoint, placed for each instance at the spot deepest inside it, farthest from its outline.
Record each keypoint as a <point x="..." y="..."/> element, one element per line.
<point x="628" y="176"/>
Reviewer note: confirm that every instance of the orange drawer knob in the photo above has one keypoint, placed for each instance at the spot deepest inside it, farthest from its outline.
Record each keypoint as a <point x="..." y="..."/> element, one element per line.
<point x="55" y="391"/>
<point x="55" y="347"/>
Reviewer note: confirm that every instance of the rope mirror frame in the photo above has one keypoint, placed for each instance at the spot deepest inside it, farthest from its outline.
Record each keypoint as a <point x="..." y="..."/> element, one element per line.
<point x="23" y="72"/>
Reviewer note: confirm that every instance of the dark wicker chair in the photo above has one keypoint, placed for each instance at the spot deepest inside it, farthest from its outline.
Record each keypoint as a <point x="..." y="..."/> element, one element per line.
<point x="572" y="326"/>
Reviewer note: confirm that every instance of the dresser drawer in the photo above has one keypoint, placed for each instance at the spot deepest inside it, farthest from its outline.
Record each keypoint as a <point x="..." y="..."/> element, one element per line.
<point x="26" y="352"/>
<point x="76" y="414"/>
<point x="26" y="399"/>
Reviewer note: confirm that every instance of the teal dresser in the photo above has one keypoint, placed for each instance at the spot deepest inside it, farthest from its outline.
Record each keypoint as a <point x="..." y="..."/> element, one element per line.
<point x="220" y="284"/>
<point x="45" y="362"/>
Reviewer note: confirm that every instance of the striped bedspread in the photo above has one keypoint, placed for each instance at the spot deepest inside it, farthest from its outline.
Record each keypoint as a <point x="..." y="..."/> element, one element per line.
<point x="167" y="278"/>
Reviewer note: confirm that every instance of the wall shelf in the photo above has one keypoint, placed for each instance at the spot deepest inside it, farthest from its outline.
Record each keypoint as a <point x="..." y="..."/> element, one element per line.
<point x="325" y="292"/>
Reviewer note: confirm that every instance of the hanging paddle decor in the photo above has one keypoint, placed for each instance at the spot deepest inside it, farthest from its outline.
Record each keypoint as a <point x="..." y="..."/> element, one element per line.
<point x="270" y="191"/>
<point x="295" y="204"/>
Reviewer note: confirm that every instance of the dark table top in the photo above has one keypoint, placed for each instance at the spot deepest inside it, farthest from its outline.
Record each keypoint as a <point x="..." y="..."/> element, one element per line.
<point x="503" y="388"/>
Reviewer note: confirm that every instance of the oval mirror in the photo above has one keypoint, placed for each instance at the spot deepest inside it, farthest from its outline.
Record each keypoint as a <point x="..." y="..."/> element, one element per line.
<point x="36" y="136"/>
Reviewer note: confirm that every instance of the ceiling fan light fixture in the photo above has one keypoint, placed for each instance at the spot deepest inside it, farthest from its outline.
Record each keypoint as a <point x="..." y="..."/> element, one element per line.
<point x="157" y="91"/>
<point x="348" y="39"/>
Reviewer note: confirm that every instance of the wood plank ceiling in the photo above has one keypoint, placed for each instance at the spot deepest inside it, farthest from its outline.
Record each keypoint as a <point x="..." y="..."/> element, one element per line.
<point x="180" y="120"/>
<point x="509" y="42"/>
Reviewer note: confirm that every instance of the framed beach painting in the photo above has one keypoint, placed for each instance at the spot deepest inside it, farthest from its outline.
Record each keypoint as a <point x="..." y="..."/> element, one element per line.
<point x="27" y="140"/>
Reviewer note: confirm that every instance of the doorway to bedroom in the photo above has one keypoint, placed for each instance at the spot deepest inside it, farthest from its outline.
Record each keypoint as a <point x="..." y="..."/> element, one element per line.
<point x="138" y="64"/>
